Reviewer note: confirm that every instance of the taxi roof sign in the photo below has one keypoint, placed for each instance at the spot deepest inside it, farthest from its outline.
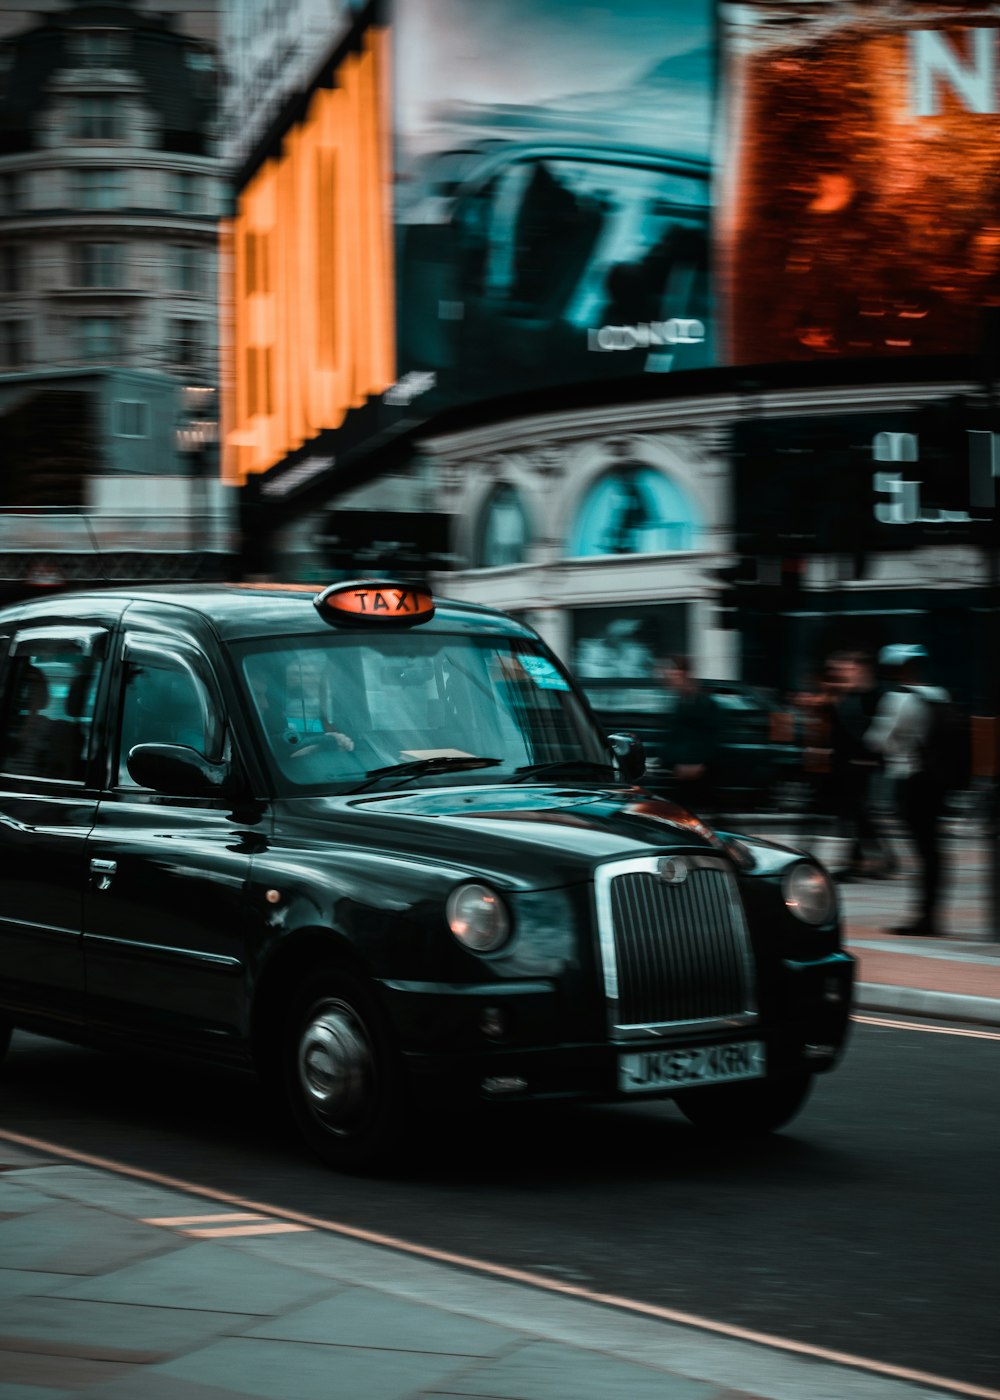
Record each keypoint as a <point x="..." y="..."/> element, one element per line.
<point x="374" y="601"/>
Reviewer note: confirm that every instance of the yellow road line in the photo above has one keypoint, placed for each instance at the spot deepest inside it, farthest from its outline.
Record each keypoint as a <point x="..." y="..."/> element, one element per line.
<point x="924" y="1028"/>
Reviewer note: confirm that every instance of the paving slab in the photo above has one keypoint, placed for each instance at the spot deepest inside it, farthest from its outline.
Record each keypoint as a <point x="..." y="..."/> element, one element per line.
<point x="156" y="1386"/>
<point x="548" y="1371"/>
<point x="114" y="1331"/>
<point x="32" y="1392"/>
<point x="29" y="1283"/>
<point x="363" y="1317"/>
<point x="264" y="1368"/>
<point x="68" y="1373"/>
<point x="15" y="1197"/>
<point x="69" y="1243"/>
<point x="127" y="1196"/>
<point x="213" y="1277"/>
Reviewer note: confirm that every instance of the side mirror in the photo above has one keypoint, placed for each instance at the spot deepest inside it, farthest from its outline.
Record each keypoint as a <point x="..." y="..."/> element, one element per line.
<point x="177" y="771"/>
<point x="630" y="755"/>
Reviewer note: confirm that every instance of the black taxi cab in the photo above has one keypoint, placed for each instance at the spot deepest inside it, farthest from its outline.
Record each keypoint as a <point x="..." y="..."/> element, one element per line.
<point x="376" y="847"/>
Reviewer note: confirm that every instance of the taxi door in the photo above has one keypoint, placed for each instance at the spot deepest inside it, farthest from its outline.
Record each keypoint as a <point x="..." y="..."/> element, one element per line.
<point x="163" y="910"/>
<point x="49" y="687"/>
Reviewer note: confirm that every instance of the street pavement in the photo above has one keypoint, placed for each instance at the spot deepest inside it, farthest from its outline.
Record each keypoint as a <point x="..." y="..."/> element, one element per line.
<point x="116" y="1284"/>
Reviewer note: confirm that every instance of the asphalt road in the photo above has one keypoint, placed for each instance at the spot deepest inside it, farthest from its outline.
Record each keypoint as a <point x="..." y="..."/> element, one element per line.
<point x="870" y="1225"/>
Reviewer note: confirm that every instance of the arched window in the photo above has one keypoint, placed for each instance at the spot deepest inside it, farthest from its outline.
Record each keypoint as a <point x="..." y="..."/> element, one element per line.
<point x="503" y="532"/>
<point x="634" y="510"/>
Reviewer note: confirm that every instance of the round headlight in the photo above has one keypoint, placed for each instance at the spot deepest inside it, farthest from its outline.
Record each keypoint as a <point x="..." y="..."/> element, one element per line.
<point x="809" y="893"/>
<point x="477" y="917"/>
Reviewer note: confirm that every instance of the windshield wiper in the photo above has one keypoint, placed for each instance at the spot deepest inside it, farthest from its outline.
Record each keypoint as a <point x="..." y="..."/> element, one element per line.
<point x="444" y="763"/>
<point x="569" y="766"/>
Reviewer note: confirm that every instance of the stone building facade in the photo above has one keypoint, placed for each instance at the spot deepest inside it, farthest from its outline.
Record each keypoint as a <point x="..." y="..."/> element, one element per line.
<point x="111" y="187"/>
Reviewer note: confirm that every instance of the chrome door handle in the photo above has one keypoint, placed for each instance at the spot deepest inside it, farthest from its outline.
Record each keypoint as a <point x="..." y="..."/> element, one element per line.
<point x="102" y="872"/>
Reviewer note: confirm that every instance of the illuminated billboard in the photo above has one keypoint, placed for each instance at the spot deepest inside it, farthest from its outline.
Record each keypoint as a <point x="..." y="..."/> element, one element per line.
<point x="860" y="206"/>
<point x="552" y="193"/>
<point x="312" y="332"/>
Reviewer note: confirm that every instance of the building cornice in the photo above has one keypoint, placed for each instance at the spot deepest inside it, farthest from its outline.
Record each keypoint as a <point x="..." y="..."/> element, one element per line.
<point x="699" y="412"/>
<point x="64" y="221"/>
<point x="116" y="156"/>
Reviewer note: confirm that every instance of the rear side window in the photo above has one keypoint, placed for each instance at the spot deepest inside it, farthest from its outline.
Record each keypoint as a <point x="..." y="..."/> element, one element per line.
<point x="49" y="698"/>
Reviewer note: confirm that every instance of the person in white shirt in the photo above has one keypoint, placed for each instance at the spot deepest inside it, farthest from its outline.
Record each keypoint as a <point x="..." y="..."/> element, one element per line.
<point x="898" y="731"/>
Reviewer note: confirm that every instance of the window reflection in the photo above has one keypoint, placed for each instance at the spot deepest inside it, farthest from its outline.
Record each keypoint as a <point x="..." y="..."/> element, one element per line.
<point x="331" y="713"/>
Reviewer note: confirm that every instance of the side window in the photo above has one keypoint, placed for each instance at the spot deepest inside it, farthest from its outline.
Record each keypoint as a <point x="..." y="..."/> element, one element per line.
<point x="164" y="701"/>
<point x="48" y="705"/>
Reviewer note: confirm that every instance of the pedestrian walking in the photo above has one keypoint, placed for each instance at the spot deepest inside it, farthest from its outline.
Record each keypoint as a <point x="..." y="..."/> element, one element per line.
<point x="854" y="697"/>
<point x="692" y="739"/>
<point x="899" y="731"/>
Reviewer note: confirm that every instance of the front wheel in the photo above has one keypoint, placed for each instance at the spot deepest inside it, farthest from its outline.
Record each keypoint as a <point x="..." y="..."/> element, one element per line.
<point x="751" y="1109"/>
<point x="342" y="1075"/>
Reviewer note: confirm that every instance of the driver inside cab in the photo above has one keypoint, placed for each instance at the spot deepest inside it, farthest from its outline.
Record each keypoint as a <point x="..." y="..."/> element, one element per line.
<point x="297" y="711"/>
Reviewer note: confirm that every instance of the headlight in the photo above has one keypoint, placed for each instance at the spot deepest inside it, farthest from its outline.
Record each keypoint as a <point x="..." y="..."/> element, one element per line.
<point x="808" y="893"/>
<point x="477" y="917"/>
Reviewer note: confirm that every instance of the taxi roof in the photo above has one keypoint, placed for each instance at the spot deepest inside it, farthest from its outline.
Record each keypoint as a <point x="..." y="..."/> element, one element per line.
<point x="244" y="610"/>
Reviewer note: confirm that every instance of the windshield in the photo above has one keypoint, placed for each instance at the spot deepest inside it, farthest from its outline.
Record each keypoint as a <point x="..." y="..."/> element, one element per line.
<point x="335" y="711"/>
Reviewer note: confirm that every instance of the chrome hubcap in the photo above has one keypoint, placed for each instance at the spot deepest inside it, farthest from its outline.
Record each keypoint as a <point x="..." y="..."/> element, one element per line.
<point x="335" y="1065"/>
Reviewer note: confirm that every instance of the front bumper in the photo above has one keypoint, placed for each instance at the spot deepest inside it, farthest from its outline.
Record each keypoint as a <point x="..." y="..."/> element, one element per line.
<point x="496" y="1042"/>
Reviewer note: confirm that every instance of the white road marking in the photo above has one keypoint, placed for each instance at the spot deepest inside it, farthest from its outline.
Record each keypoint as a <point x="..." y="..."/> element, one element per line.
<point x="220" y="1232"/>
<point x="523" y="1276"/>
<point x="220" y="1226"/>
<point x="228" y="1215"/>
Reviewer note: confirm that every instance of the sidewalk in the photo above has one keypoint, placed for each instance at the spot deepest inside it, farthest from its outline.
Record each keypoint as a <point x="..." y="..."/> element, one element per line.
<point x="118" y="1288"/>
<point x="956" y="977"/>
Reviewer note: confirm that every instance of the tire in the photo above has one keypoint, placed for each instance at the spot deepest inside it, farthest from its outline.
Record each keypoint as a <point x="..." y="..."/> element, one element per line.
<point x="6" y="1031"/>
<point x="341" y="1073"/>
<point x="753" y="1109"/>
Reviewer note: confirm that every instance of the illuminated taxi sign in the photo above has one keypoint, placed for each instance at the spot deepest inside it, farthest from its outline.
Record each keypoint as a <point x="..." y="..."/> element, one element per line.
<point x="375" y="602"/>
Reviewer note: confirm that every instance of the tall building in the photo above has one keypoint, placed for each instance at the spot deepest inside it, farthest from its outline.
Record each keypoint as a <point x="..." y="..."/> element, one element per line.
<point x="110" y="190"/>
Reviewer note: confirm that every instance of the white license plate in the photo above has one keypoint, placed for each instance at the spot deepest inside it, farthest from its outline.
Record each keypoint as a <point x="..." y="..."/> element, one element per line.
<point x="648" y="1070"/>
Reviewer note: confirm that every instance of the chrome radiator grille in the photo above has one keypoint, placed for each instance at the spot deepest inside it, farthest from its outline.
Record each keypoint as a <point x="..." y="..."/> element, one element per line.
<point x="674" y="952"/>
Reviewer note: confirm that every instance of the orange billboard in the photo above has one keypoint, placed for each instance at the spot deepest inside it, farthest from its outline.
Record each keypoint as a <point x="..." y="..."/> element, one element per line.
<point x="861" y="214"/>
<point x="311" y="302"/>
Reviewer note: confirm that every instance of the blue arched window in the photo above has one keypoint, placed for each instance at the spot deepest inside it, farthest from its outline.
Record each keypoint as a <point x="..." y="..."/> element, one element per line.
<point x="503" y="531"/>
<point x="634" y="510"/>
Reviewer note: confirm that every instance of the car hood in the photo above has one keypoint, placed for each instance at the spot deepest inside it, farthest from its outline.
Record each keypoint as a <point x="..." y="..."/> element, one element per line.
<point x="538" y="836"/>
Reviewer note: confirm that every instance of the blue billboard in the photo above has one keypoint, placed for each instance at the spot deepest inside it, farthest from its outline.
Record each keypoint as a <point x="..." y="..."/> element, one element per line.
<point x="552" y="193"/>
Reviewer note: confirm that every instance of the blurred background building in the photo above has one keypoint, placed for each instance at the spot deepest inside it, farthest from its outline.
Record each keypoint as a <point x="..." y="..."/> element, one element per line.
<point x="111" y="189"/>
<point x="632" y="339"/>
<point x="675" y="333"/>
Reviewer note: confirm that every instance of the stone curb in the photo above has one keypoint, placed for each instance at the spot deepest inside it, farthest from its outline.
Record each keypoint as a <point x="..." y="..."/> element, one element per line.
<point x="917" y="1001"/>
